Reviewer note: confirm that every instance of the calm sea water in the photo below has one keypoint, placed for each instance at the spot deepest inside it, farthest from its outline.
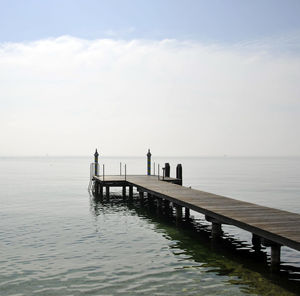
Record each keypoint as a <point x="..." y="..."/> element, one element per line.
<point x="56" y="239"/>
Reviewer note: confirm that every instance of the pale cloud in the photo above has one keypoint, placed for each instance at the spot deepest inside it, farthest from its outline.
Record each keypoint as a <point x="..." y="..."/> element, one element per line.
<point x="68" y="95"/>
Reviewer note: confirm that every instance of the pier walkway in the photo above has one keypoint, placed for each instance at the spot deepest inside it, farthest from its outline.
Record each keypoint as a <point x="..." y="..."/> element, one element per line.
<point x="271" y="227"/>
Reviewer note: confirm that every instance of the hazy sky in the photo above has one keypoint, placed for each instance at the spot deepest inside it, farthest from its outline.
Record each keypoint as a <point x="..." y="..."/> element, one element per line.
<point x="179" y="77"/>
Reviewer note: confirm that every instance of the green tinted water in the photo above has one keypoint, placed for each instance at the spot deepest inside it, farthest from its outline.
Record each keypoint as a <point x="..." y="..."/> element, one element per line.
<point x="55" y="239"/>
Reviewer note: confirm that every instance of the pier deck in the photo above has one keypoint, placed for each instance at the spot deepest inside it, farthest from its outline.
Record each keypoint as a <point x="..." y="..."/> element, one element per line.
<point x="274" y="227"/>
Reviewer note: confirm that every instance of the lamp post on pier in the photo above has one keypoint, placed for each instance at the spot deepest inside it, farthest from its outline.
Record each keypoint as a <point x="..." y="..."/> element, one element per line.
<point x="149" y="163"/>
<point x="96" y="162"/>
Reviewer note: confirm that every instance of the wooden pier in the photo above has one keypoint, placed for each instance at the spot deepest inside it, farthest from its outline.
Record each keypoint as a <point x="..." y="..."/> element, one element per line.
<point x="270" y="227"/>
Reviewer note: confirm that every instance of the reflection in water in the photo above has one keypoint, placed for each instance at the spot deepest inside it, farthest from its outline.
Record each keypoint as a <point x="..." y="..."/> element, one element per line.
<point x="244" y="267"/>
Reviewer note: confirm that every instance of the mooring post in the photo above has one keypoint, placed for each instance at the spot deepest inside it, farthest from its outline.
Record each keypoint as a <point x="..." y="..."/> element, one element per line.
<point x="96" y="162"/>
<point x="125" y="172"/>
<point x="148" y="163"/>
<point x="124" y="191"/>
<point x="107" y="191"/>
<point x="179" y="173"/>
<point x="167" y="170"/>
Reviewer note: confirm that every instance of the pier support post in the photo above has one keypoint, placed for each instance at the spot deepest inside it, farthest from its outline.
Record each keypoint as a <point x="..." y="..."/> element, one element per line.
<point x="96" y="185"/>
<point x="178" y="210"/>
<point x="130" y="192"/>
<point x="187" y="213"/>
<point x="216" y="227"/>
<point x="101" y="191"/>
<point x="159" y="205"/>
<point x="166" y="204"/>
<point x="275" y="253"/>
<point x="124" y="191"/>
<point x="141" y="194"/>
<point x="216" y="230"/>
<point x="167" y="207"/>
<point x="256" y="242"/>
<point x="149" y="199"/>
<point x="107" y="191"/>
<point x="159" y="202"/>
<point x="275" y="257"/>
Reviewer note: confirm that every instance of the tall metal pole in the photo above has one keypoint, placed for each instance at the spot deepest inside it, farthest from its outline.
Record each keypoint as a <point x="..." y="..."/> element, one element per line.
<point x="148" y="163"/>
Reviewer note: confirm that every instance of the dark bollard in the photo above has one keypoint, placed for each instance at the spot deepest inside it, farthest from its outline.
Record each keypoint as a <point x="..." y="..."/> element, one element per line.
<point x="167" y="170"/>
<point x="179" y="173"/>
